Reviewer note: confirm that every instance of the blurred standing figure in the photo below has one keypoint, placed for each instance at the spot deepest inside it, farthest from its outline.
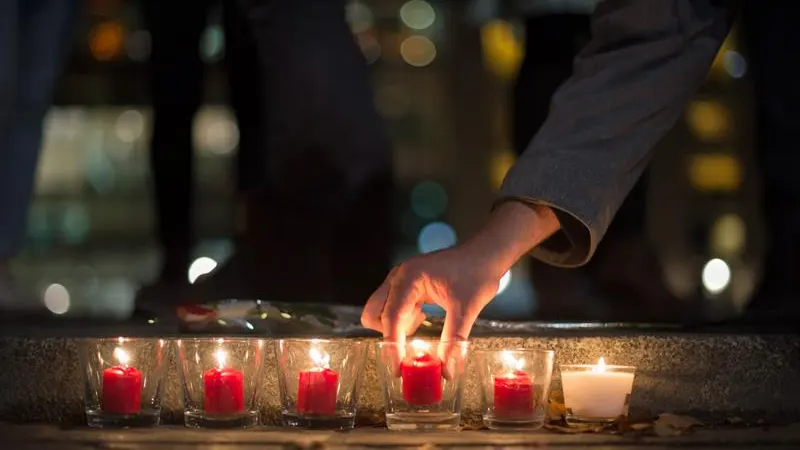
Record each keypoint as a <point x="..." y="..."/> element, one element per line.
<point x="176" y="86"/>
<point x="321" y="224"/>
<point x="35" y="36"/>
<point x="176" y="89"/>
<point x="314" y="155"/>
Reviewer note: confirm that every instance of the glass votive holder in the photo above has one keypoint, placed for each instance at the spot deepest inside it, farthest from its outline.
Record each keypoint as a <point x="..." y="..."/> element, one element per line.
<point x="515" y="387"/>
<point x="596" y="393"/>
<point x="123" y="381"/>
<point x="422" y="383"/>
<point x="220" y="379"/>
<point x="318" y="381"/>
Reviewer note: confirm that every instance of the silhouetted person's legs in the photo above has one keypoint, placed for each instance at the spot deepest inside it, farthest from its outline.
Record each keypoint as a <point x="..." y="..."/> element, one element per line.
<point x="244" y="82"/>
<point x="323" y="228"/>
<point x="35" y="36"/>
<point x="770" y="34"/>
<point x="176" y="85"/>
<point x="624" y="269"/>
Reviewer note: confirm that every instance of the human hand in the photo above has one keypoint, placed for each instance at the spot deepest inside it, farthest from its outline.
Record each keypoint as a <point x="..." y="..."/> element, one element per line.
<point x="462" y="279"/>
<point x="457" y="279"/>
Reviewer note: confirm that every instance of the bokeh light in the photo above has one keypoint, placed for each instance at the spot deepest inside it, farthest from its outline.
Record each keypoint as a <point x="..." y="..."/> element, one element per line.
<point x="417" y="14"/>
<point x="129" y="126"/>
<point x="709" y="121"/>
<point x="728" y="235"/>
<point x="502" y="51"/>
<point x="56" y="299"/>
<point x="216" y="131"/>
<point x="359" y="16"/>
<point x="106" y="39"/>
<point x="734" y="64"/>
<point x="418" y="51"/>
<point x="715" y="172"/>
<point x="716" y="276"/>
<point x="428" y="200"/>
<point x="201" y="266"/>
<point x="436" y="236"/>
<point x="212" y="44"/>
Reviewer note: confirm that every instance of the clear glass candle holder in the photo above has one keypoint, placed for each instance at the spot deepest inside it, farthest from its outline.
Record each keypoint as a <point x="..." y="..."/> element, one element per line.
<point x="220" y="377"/>
<point x="123" y="381"/>
<point x="318" y="381"/>
<point x="515" y="387"/>
<point x="422" y="383"/>
<point x="596" y="393"/>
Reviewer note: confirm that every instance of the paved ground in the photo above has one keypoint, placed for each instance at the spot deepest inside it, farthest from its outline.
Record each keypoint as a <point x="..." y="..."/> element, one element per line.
<point x="44" y="437"/>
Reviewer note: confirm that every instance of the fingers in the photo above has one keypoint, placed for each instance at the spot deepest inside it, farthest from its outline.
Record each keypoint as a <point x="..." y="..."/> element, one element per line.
<point x="452" y="351"/>
<point x="401" y="308"/>
<point x="371" y="315"/>
<point x="418" y="319"/>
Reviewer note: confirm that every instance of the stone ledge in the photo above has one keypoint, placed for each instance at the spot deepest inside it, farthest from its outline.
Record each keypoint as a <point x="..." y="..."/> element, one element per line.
<point x="711" y="376"/>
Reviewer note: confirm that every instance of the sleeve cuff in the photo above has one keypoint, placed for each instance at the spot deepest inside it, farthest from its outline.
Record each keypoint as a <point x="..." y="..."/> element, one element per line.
<point x="571" y="246"/>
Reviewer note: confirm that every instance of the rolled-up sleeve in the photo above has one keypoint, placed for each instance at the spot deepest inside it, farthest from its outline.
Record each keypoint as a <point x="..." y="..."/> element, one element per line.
<point x="646" y="60"/>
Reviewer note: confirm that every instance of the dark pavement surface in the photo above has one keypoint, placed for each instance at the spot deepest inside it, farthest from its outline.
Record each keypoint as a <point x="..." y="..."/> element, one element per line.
<point x="45" y="437"/>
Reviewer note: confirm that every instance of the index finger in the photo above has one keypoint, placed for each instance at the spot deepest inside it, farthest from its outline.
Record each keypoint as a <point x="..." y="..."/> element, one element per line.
<point x="399" y="312"/>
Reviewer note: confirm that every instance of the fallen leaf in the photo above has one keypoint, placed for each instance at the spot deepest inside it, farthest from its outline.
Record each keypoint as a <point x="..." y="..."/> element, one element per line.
<point x="555" y="407"/>
<point x="674" y="425"/>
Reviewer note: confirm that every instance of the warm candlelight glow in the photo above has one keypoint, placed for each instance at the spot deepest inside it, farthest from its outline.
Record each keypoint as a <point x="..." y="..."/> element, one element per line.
<point x="221" y="357"/>
<point x="511" y="363"/>
<point x="420" y="347"/>
<point x="600" y="367"/>
<point x="122" y="356"/>
<point x="321" y="359"/>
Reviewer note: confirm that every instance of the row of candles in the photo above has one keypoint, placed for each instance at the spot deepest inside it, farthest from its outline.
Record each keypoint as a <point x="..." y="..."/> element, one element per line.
<point x="422" y="386"/>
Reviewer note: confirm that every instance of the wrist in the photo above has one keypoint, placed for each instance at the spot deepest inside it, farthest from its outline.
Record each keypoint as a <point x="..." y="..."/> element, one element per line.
<point x="513" y="230"/>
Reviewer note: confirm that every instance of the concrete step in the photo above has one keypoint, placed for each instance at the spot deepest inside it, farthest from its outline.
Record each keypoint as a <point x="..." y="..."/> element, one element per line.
<point x="712" y="374"/>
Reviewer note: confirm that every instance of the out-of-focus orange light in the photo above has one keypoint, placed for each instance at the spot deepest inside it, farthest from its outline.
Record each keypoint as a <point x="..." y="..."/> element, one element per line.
<point x="106" y="39"/>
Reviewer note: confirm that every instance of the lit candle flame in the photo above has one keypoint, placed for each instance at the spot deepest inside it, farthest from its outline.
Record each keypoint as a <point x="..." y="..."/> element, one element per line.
<point x="420" y="347"/>
<point x="221" y="357"/>
<point x="321" y="360"/>
<point x="122" y="356"/>
<point x="600" y="367"/>
<point x="511" y="362"/>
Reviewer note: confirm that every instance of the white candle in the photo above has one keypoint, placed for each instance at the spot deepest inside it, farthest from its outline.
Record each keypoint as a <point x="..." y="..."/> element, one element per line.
<point x="596" y="391"/>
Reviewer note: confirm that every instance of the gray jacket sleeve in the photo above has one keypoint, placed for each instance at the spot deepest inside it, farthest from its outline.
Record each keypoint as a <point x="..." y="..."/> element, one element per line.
<point x="646" y="60"/>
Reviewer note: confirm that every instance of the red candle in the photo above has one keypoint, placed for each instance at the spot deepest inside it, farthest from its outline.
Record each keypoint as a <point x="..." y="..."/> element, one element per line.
<point x="223" y="391"/>
<point x="421" y="379"/>
<point x="122" y="390"/>
<point x="513" y="395"/>
<point x="316" y="391"/>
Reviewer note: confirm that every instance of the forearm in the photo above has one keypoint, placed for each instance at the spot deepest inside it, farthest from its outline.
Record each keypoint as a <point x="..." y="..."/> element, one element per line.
<point x="512" y="231"/>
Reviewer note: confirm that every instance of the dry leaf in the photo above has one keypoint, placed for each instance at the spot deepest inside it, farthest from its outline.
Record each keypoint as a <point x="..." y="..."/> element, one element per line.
<point x="674" y="425"/>
<point x="555" y="407"/>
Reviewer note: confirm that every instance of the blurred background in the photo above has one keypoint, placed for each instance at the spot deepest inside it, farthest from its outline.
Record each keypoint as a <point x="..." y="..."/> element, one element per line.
<point x="443" y="76"/>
